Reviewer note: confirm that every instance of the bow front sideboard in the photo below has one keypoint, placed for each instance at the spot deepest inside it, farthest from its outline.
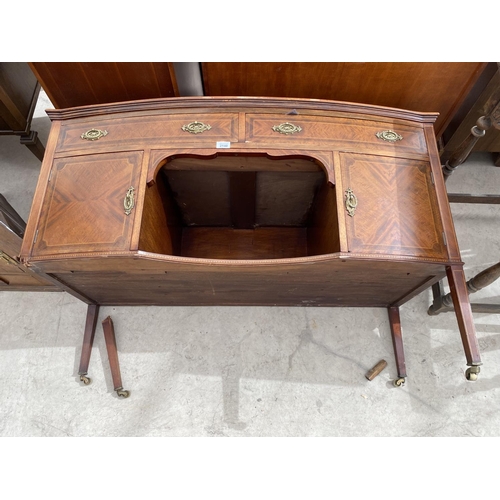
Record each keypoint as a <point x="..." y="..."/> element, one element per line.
<point x="246" y="201"/>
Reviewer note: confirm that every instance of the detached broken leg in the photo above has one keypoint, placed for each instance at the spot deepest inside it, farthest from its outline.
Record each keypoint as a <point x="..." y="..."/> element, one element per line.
<point x="88" y="341"/>
<point x="397" y="342"/>
<point x="109" y="336"/>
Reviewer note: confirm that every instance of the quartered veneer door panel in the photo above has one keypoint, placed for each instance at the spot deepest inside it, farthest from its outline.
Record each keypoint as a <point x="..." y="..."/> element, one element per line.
<point x="396" y="210"/>
<point x="83" y="209"/>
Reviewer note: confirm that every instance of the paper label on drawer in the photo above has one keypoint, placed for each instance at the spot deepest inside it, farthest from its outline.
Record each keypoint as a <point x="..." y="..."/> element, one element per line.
<point x="222" y="145"/>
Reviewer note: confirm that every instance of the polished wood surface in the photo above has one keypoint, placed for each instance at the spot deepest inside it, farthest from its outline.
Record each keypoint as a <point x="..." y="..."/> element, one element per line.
<point x="397" y="340"/>
<point x="397" y="207"/>
<point x="349" y="133"/>
<point x="70" y="84"/>
<point x="85" y="197"/>
<point x="110" y="339"/>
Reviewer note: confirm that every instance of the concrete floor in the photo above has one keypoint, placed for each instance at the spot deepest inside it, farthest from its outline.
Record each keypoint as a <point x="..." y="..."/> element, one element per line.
<point x="249" y="371"/>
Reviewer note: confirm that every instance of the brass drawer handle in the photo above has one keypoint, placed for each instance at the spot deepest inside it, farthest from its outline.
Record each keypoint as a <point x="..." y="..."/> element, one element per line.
<point x="94" y="134"/>
<point x="196" y="127"/>
<point x="389" y="136"/>
<point x="351" y="202"/>
<point x="287" y="128"/>
<point x="128" y="202"/>
<point x="7" y="258"/>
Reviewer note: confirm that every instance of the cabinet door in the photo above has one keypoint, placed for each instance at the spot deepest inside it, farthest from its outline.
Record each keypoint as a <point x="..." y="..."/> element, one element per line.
<point x="396" y="212"/>
<point x="83" y="208"/>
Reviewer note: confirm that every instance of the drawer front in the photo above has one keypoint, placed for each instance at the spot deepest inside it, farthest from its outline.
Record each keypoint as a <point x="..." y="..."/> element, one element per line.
<point x="343" y="134"/>
<point x="139" y="131"/>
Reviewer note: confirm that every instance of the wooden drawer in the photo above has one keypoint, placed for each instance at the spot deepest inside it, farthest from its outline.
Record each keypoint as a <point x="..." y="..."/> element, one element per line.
<point x="136" y="132"/>
<point x="344" y="134"/>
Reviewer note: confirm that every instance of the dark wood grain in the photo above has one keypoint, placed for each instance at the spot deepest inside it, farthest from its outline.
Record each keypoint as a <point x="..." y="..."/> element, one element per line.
<point x="485" y="199"/>
<point x="78" y="84"/>
<point x="242" y="199"/>
<point x="397" y="340"/>
<point x="310" y="281"/>
<point x="110" y="338"/>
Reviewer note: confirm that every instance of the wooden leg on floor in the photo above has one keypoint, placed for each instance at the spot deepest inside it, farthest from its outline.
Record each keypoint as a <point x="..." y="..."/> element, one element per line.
<point x="397" y="342"/>
<point x="88" y="341"/>
<point x="109" y="336"/>
<point x="458" y="290"/>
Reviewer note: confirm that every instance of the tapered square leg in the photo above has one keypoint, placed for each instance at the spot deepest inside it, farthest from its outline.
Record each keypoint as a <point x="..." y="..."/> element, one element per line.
<point x="397" y="342"/>
<point x="109" y="337"/>
<point x="463" y="312"/>
<point x="88" y="341"/>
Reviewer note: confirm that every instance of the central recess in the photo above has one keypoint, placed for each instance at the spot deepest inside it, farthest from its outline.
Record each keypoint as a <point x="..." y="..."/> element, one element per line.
<point x="240" y="207"/>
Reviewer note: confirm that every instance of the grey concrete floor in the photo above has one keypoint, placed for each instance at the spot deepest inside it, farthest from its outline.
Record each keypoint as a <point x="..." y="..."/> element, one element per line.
<point x="249" y="371"/>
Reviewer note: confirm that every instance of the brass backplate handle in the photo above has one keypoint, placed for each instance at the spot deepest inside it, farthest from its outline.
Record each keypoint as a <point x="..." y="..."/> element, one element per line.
<point x="128" y="202"/>
<point x="389" y="136"/>
<point x="287" y="128"/>
<point x="8" y="258"/>
<point x="94" y="134"/>
<point x="351" y="202"/>
<point x="196" y="127"/>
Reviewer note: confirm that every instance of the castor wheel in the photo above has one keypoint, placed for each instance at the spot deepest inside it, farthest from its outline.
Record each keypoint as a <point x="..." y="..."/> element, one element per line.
<point x="399" y="382"/>
<point x="122" y="394"/>
<point x="472" y="373"/>
<point x="85" y="380"/>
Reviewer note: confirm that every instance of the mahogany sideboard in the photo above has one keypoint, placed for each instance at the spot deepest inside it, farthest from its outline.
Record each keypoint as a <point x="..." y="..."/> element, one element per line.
<point x="245" y="201"/>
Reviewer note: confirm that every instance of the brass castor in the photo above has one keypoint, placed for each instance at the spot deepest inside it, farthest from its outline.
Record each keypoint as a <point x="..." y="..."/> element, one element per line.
<point x="399" y="382"/>
<point x="122" y="394"/>
<point x="85" y="380"/>
<point x="472" y="373"/>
